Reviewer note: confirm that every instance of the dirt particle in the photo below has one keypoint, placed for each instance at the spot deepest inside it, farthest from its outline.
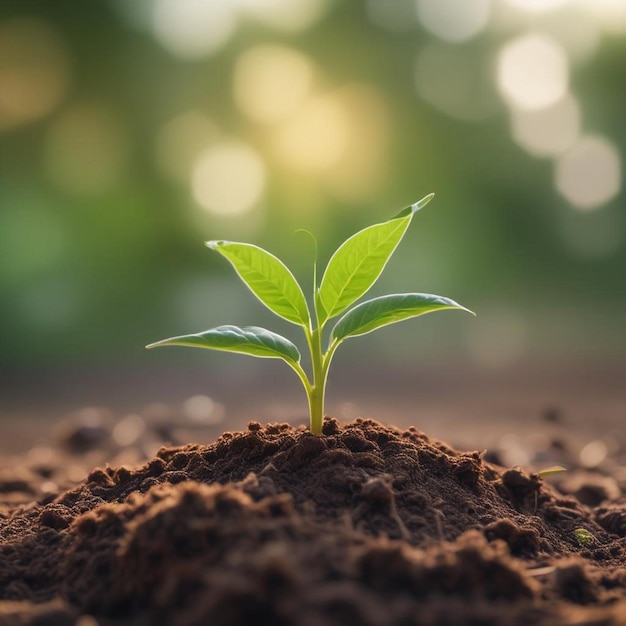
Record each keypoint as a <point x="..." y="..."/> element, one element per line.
<point x="467" y="469"/>
<point x="356" y="443"/>
<point x="337" y="456"/>
<point x="307" y="449"/>
<point x="521" y="541"/>
<point x="55" y="516"/>
<point x="612" y="518"/>
<point x="573" y="582"/>
<point x="378" y="490"/>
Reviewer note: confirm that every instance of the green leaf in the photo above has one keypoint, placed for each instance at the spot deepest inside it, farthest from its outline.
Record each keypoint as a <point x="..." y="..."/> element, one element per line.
<point x="250" y="340"/>
<point x="414" y="208"/>
<point x="267" y="277"/>
<point x="359" y="261"/>
<point x="372" y="314"/>
<point x="549" y="471"/>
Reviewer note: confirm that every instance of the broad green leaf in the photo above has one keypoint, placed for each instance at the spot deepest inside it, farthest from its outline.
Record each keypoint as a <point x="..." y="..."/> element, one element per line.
<point x="250" y="340"/>
<point x="267" y="277"/>
<point x="359" y="261"/>
<point x="385" y="310"/>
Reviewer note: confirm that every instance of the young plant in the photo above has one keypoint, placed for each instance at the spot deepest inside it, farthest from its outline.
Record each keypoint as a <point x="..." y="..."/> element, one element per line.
<point x="351" y="271"/>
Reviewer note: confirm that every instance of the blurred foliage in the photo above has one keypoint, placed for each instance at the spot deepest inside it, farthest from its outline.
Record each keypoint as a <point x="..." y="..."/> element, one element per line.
<point x="132" y="131"/>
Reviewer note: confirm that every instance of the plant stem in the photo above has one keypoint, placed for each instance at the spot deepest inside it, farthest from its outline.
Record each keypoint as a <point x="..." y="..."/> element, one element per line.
<point x="316" y="395"/>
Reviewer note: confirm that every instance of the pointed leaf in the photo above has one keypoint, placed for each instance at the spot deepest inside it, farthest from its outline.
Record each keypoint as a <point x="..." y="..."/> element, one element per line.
<point x="250" y="340"/>
<point x="414" y="208"/>
<point x="267" y="277"/>
<point x="385" y="310"/>
<point x="359" y="261"/>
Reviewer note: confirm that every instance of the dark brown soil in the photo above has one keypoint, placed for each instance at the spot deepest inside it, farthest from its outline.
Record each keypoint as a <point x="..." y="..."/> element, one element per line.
<point x="366" y="525"/>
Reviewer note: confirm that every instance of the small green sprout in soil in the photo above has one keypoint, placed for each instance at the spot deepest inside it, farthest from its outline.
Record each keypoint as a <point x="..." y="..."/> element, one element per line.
<point x="584" y="537"/>
<point x="550" y="471"/>
<point x="351" y="271"/>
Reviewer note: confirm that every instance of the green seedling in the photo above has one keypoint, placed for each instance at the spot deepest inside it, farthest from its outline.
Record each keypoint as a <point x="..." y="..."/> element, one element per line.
<point x="550" y="471"/>
<point x="584" y="537"/>
<point x="351" y="271"/>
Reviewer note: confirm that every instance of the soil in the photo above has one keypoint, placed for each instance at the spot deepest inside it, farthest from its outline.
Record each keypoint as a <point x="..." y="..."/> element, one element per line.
<point x="367" y="524"/>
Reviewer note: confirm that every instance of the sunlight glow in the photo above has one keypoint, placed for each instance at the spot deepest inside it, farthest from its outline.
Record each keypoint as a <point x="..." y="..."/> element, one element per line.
<point x="532" y="72"/>
<point x="453" y="20"/>
<point x="572" y="24"/>
<point x="589" y="174"/>
<point x="228" y="178"/>
<point x="317" y="136"/>
<point x="193" y="29"/>
<point x="364" y="165"/>
<point x="550" y="131"/>
<point x="292" y="16"/>
<point x="537" y="6"/>
<point x="574" y="30"/>
<point x="271" y="82"/>
<point x="34" y="71"/>
<point x="611" y="14"/>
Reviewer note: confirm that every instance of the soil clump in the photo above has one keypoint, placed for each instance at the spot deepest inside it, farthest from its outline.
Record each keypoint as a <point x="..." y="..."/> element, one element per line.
<point x="367" y="524"/>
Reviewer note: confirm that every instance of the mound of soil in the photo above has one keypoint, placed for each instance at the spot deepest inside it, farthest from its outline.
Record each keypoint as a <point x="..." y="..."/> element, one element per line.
<point x="366" y="524"/>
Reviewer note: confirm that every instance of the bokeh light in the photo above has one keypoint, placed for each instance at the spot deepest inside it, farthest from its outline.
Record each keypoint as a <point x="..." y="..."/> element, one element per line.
<point x="316" y="137"/>
<point x="193" y="29"/>
<point x="228" y="178"/>
<point x="575" y="30"/>
<point x="133" y="130"/>
<point x="86" y="150"/>
<point x="137" y="14"/>
<point x="181" y="140"/>
<point x="454" y="82"/>
<point x="452" y="20"/>
<point x="610" y="14"/>
<point x="128" y="430"/>
<point x="291" y="16"/>
<point x="34" y="71"/>
<point x="396" y="16"/>
<point x="589" y="174"/>
<point x="271" y="82"/>
<point x="549" y="131"/>
<point x="363" y="168"/>
<point x="537" y="6"/>
<point x="533" y="71"/>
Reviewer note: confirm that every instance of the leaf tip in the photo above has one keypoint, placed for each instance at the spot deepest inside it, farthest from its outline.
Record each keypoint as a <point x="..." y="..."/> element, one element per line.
<point x="157" y="344"/>
<point x="420" y="204"/>
<point x="214" y="244"/>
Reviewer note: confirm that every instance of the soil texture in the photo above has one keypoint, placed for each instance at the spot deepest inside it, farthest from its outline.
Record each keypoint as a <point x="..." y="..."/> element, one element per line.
<point x="366" y="524"/>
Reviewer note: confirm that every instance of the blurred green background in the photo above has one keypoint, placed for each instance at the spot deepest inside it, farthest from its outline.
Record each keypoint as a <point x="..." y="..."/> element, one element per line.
<point x="133" y="130"/>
